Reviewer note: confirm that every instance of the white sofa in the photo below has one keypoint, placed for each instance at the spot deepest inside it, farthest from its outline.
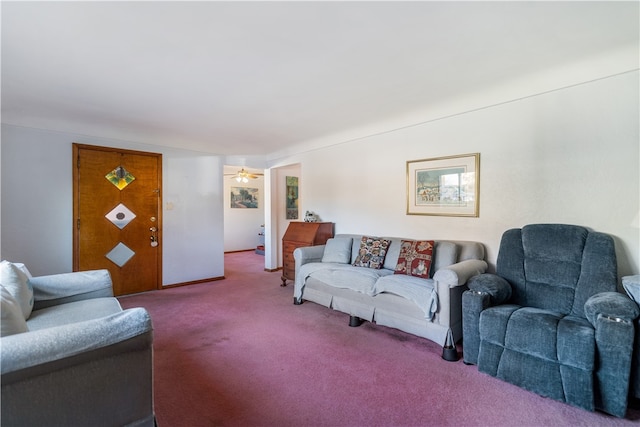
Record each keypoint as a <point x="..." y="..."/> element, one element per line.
<point x="427" y="307"/>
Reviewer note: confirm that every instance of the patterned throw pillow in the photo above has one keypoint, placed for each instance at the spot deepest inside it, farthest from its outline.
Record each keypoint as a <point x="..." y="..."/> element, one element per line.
<point x="415" y="258"/>
<point x="372" y="252"/>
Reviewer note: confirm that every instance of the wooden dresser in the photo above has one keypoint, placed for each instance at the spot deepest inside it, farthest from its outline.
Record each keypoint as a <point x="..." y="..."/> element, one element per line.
<point x="300" y="234"/>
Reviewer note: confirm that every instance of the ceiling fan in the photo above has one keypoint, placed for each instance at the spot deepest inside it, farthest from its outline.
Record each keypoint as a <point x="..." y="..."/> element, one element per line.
<point x="243" y="176"/>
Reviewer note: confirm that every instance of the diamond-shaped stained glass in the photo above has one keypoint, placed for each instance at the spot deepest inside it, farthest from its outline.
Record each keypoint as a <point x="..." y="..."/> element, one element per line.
<point x="120" y="216"/>
<point x="120" y="254"/>
<point x="120" y="177"/>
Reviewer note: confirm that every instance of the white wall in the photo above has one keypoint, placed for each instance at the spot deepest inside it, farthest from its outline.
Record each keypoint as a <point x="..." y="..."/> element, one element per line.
<point x="37" y="204"/>
<point x="241" y="226"/>
<point x="568" y="155"/>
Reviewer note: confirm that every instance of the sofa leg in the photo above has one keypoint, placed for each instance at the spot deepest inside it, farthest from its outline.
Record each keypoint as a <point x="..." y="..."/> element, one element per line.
<point x="297" y="301"/>
<point x="355" y="321"/>
<point x="450" y="354"/>
<point x="449" y="351"/>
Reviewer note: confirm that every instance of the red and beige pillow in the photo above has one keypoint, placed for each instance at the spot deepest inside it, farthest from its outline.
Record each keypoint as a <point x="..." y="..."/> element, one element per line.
<point x="415" y="258"/>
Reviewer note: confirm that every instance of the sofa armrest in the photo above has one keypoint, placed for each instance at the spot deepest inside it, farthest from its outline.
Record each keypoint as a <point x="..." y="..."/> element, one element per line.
<point x="20" y="352"/>
<point x="458" y="274"/>
<point x="307" y="254"/>
<point x="62" y="288"/>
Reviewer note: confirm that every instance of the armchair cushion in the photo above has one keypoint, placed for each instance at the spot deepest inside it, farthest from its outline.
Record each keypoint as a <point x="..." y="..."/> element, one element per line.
<point x="12" y="318"/>
<point x="14" y="279"/>
<point x="73" y="312"/>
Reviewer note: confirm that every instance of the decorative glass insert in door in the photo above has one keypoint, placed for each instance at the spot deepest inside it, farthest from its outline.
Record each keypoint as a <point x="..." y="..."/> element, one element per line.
<point x="120" y="177"/>
<point x="120" y="216"/>
<point x="120" y="254"/>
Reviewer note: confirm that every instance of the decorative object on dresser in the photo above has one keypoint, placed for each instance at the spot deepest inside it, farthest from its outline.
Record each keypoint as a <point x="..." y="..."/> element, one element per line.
<point x="301" y="234"/>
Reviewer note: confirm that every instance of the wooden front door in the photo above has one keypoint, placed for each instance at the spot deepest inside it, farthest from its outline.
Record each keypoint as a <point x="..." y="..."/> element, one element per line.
<point x="116" y="214"/>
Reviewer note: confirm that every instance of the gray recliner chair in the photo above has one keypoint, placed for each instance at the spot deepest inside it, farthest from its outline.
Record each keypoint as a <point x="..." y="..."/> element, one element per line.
<point x="550" y="320"/>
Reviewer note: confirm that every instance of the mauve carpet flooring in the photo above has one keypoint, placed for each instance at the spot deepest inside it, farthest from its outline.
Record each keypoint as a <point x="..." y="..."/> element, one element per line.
<point x="237" y="352"/>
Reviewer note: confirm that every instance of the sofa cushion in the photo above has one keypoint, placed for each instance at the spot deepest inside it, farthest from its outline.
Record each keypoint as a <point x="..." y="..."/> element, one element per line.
<point x="372" y="252"/>
<point x="338" y="249"/>
<point x="418" y="290"/>
<point x="415" y="258"/>
<point x="12" y="321"/>
<point x="77" y="311"/>
<point x="14" y="279"/>
<point x="359" y="279"/>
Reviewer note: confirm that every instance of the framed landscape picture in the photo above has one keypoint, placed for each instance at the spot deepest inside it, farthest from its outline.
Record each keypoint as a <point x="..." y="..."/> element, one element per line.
<point x="244" y="198"/>
<point x="446" y="186"/>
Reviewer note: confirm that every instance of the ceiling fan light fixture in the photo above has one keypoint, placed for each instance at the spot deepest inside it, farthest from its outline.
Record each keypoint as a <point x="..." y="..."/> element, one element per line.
<point x="244" y="176"/>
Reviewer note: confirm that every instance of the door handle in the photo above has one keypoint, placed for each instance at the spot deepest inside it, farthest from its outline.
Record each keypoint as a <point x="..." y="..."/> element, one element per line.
<point x="154" y="237"/>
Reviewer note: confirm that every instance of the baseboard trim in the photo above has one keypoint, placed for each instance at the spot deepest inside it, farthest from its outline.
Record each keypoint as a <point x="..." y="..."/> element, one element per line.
<point x="194" y="282"/>
<point x="272" y="270"/>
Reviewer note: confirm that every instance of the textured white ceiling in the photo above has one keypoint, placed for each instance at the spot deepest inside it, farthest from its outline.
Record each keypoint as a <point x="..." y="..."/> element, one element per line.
<point x="256" y="77"/>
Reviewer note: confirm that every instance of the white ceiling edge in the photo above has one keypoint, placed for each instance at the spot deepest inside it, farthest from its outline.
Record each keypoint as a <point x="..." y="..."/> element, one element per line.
<point x="623" y="60"/>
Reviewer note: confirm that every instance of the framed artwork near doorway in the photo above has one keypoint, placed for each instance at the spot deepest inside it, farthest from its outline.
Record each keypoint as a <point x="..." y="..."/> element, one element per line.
<point x="244" y="198"/>
<point x="292" y="197"/>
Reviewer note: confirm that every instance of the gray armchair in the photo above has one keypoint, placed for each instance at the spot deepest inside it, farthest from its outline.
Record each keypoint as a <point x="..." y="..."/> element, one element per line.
<point x="69" y="354"/>
<point x="550" y="319"/>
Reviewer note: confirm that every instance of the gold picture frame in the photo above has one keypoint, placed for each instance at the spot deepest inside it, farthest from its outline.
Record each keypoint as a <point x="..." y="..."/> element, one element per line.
<point x="444" y="186"/>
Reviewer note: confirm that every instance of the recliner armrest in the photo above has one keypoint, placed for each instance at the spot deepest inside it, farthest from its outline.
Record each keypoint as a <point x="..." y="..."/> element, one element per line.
<point x="62" y="288"/>
<point x="498" y="289"/>
<point x="612" y="306"/>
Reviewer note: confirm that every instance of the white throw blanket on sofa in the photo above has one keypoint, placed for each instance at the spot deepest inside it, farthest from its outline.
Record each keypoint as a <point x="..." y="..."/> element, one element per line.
<point x="360" y="279"/>
<point x="371" y="282"/>
<point x="421" y="291"/>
